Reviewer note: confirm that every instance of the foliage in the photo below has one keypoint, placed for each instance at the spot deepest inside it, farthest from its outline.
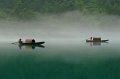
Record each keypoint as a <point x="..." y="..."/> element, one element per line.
<point x="27" y="9"/>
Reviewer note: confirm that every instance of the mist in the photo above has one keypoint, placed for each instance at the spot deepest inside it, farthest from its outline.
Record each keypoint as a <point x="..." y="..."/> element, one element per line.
<point x="69" y="25"/>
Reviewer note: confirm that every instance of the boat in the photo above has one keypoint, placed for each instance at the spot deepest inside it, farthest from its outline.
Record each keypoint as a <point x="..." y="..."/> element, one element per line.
<point x="96" y="39"/>
<point x="36" y="43"/>
<point x="31" y="45"/>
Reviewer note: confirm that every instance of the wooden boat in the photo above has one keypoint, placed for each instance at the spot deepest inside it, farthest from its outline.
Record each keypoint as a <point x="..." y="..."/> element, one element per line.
<point x="36" y="43"/>
<point x="29" y="43"/>
<point x="96" y="39"/>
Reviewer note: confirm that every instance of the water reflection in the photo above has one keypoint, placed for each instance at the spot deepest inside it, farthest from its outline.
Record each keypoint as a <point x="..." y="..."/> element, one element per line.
<point x="30" y="46"/>
<point x="96" y="43"/>
<point x="63" y="61"/>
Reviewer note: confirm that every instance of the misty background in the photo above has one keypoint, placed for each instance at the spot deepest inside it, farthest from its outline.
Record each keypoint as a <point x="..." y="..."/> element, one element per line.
<point x="63" y="19"/>
<point x="69" y="25"/>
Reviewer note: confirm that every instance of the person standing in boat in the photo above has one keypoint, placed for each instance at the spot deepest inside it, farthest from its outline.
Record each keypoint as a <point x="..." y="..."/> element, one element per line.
<point x="20" y="41"/>
<point x="33" y="41"/>
<point x="90" y="38"/>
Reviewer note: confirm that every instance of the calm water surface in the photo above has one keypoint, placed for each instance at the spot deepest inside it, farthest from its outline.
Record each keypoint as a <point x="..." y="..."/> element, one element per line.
<point x="62" y="60"/>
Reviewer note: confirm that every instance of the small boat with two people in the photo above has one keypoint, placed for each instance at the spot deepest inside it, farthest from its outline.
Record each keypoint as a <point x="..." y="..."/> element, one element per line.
<point x="96" y="39"/>
<point x="29" y="42"/>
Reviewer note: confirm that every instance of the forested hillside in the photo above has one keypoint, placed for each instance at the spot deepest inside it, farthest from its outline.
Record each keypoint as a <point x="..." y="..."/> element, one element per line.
<point x="30" y="8"/>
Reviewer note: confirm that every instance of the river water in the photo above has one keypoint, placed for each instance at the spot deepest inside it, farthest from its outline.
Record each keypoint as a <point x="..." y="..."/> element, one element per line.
<point x="60" y="60"/>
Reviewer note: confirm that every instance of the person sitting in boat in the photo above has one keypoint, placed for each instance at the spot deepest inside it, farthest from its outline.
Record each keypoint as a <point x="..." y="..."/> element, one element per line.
<point x="33" y="41"/>
<point x="20" y="41"/>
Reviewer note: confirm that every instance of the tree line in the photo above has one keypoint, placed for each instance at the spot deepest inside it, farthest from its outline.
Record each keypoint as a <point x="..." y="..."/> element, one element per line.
<point x="30" y="8"/>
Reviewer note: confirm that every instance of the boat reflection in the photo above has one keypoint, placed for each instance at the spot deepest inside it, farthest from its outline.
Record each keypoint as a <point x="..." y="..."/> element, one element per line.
<point x="95" y="43"/>
<point x="30" y="46"/>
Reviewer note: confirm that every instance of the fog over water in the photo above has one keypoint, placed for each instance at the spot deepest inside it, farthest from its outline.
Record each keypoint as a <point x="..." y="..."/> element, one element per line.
<point x="69" y="25"/>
